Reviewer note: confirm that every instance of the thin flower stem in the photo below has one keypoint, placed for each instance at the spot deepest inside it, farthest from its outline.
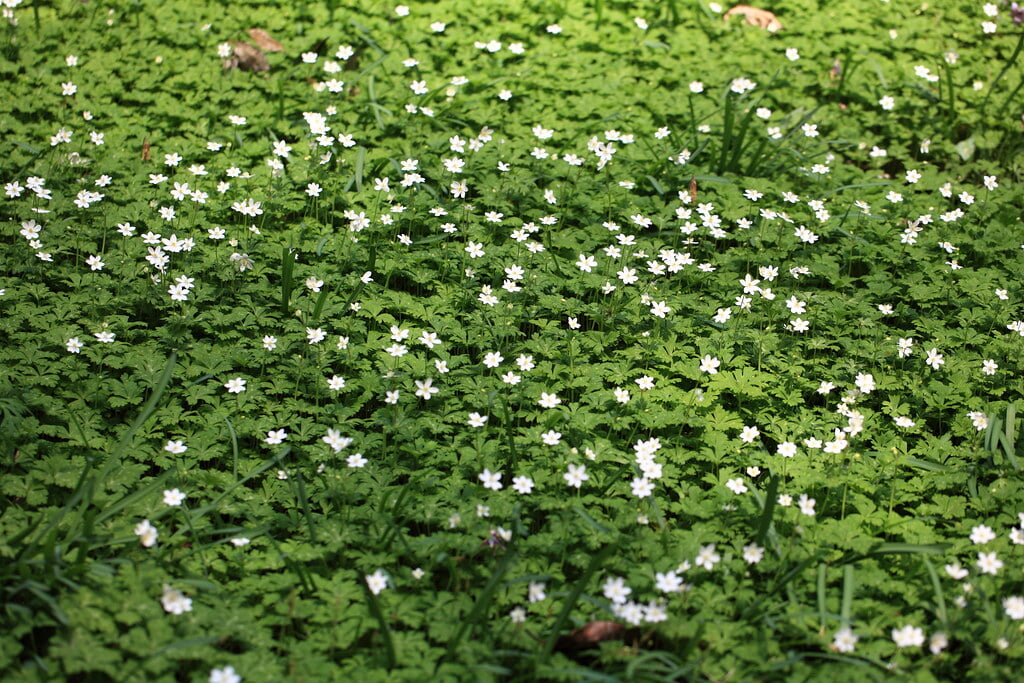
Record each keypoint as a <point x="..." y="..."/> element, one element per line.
<point x="1009" y="63"/>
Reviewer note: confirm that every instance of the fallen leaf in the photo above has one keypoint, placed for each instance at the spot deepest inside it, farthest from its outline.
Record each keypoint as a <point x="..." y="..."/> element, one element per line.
<point x="247" y="57"/>
<point x="760" y="18"/>
<point x="589" y="635"/>
<point x="264" y="41"/>
<point x="145" y="150"/>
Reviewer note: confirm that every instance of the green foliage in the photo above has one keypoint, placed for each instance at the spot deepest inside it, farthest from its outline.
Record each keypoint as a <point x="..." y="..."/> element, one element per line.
<point x="411" y="370"/>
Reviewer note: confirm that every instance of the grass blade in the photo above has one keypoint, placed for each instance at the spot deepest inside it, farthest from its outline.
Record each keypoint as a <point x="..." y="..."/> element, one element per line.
<point x="483" y="602"/>
<point x="385" y="630"/>
<point x="848" y="588"/>
<point x="822" y="598"/>
<point x="764" y="521"/>
<point x="287" y="281"/>
<point x="319" y="306"/>
<point x="940" y="601"/>
<point x="574" y="595"/>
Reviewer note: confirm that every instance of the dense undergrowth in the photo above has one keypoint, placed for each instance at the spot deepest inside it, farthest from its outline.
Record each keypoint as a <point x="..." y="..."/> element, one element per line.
<point x="459" y="329"/>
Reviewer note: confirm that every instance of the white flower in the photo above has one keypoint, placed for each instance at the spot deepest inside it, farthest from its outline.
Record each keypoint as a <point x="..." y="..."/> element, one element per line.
<point x="377" y="581"/>
<point x="642" y="487"/>
<point x="576" y="475"/>
<point x="749" y="434"/>
<point x="988" y="563"/>
<point x="175" y="447"/>
<point x="549" y="400"/>
<point x="981" y="534"/>
<point x="551" y="437"/>
<point x="709" y="365"/>
<point x="225" y="675"/>
<point x="174" y="601"/>
<point x="904" y="347"/>
<point x="669" y="582"/>
<point x="806" y="505"/>
<point x="424" y="389"/>
<point x="753" y="553"/>
<point x="586" y="263"/>
<point x="844" y="640"/>
<point x="616" y="590"/>
<point x="908" y="636"/>
<point x="707" y="557"/>
<point x="523" y="485"/>
<point x="173" y="497"/>
<point x="336" y="441"/>
<point x="235" y="386"/>
<point x="429" y="339"/>
<point x="275" y="437"/>
<point x="491" y="480"/>
<point x="955" y="571"/>
<point x="660" y="309"/>
<point x="865" y="382"/>
<point x="1014" y="607"/>
<point x="736" y="486"/>
<point x="147" y="533"/>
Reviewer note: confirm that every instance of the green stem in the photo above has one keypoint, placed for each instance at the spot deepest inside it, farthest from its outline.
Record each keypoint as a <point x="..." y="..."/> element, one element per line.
<point x="1009" y="63"/>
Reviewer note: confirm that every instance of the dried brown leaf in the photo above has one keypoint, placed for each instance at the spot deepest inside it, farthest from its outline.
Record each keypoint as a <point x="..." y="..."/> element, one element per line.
<point x="760" y="18"/>
<point x="264" y="41"/>
<point x="589" y="635"/>
<point x="247" y="57"/>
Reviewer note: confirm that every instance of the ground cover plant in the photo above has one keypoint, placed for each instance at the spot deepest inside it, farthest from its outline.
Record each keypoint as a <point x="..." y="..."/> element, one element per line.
<point x="528" y="341"/>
